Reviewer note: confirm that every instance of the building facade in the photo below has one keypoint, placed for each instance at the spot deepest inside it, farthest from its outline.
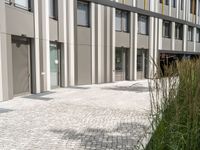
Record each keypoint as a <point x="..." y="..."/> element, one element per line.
<point x="45" y="44"/>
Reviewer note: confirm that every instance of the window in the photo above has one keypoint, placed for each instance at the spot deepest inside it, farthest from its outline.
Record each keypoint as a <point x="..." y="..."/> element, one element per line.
<point x="53" y="9"/>
<point x="193" y="6"/>
<point x="198" y="35"/>
<point x="143" y="24"/>
<point x="199" y="8"/>
<point x="83" y="14"/>
<point x="174" y="3"/>
<point x="166" y="2"/>
<point x="190" y="33"/>
<point x="7" y="1"/>
<point x="179" y="31"/>
<point x="24" y="4"/>
<point x="181" y="4"/>
<point x="122" y="21"/>
<point x="167" y="29"/>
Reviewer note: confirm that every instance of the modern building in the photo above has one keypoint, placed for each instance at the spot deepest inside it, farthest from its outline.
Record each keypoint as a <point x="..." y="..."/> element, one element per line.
<point x="45" y="44"/>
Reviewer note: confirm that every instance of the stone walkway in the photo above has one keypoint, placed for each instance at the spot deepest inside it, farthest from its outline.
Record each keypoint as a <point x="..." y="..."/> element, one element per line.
<point x="94" y="117"/>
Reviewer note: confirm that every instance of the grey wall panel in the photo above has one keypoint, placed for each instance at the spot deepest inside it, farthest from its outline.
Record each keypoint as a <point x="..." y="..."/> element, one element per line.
<point x="83" y="35"/>
<point x="190" y="46"/>
<point x="143" y="41"/>
<point x="122" y="39"/>
<point x="166" y="9"/>
<point x="84" y="64"/>
<point x="53" y="30"/>
<point x="19" y="22"/>
<point x="178" y="45"/>
<point x="141" y="4"/>
<point x="173" y="12"/>
<point x="198" y="47"/>
<point x="167" y="44"/>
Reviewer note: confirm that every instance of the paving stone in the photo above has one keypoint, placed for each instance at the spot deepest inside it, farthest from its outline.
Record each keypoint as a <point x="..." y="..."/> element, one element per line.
<point x="107" y="116"/>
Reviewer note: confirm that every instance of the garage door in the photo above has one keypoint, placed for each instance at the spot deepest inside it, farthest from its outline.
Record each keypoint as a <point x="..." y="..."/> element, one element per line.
<point x="21" y="65"/>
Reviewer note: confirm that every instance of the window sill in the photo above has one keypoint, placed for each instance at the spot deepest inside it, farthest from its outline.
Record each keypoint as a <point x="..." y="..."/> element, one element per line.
<point x="122" y="31"/>
<point x="83" y="26"/>
<point x="143" y="34"/>
<point x="167" y="37"/>
<point x="22" y="7"/>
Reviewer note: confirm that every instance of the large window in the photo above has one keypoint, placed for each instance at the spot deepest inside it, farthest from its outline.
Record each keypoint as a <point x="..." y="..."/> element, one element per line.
<point x="174" y="3"/>
<point x="53" y="9"/>
<point x="179" y="31"/>
<point x="193" y="6"/>
<point x="143" y="24"/>
<point x="25" y="4"/>
<point x="83" y="14"/>
<point x="190" y="33"/>
<point x="122" y="21"/>
<point x="166" y="29"/>
<point x="198" y="35"/>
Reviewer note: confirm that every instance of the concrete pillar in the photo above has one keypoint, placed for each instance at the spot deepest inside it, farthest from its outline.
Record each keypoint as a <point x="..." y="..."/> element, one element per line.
<point x="113" y="42"/>
<point x="173" y="35"/>
<point x="4" y="83"/>
<point x="62" y="17"/>
<point x="185" y="31"/>
<point x="184" y="9"/>
<point x="93" y="41"/>
<point x="131" y="45"/>
<point x="36" y="48"/>
<point x="170" y="7"/>
<point x="195" y="38"/>
<point x="44" y="45"/>
<point x="155" y="51"/>
<point x="197" y="11"/>
<point x="160" y="34"/>
<point x="71" y="41"/>
<point x="151" y="46"/>
<point x="135" y="39"/>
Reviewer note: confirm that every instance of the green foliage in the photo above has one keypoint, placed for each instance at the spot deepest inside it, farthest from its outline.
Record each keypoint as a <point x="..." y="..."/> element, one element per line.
<point x="175" y="111"/>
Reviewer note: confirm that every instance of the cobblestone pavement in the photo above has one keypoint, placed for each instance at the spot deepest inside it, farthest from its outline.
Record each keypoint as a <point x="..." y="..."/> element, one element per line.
<point x="94" y="117"/>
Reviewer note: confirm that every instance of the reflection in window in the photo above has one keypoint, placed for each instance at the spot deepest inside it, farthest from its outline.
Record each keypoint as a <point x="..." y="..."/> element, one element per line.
<point x="25" y="4"/>
<point x="122" y="21"/>
<point x="143" y="24"/>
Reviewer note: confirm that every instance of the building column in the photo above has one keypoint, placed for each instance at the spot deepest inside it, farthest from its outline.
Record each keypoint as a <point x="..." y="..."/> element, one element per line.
<point x="44" y="45"/>
<point x="113" y="39"/>
<point x="131" y="45"/>
<point x="178" y="8"/>
<point x="62" y="17"/>
<point x="173" y="35"/>
<point x="4" y="83"/>
<point x="71" y="40"/>
<point x="184" y="10"/>
<point x="36" y="49"/>
<point x="197" y="12"/>
<point x="195" y="38"/>
<point x="93" y="42"/>
<point x="160" y="34"/>
<point x="170" y="7"/>
<point x="151" y="46"/>
<point x="155" y="51"/>
<point x="135" y="46"/>
<point x="185" y="30"/>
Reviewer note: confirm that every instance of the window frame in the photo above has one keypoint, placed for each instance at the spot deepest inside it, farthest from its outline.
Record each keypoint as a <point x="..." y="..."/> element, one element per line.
<point x="179" y="35"/>
<point x="123" y="27"/>
<point x="192" y="34"/>
<point x="29" y="8"/>
<point x="146" y="18"/>
<point x="88" y="14"/>
<point x="169" y="28"/>
<point x="55" y="10"/>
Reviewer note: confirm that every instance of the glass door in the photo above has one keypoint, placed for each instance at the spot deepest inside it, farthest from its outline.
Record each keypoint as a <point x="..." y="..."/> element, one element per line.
<point x="54" y="66"/>
<point x="120" y="64"/>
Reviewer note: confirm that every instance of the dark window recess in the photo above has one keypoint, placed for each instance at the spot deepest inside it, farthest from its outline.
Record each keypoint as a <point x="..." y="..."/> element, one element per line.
<point x="143" y="25"/>
<point x="53" y="9"/>
<point x="190" y="33"/>
<point x="179" y="31"/>
<point x="166" y="29"/>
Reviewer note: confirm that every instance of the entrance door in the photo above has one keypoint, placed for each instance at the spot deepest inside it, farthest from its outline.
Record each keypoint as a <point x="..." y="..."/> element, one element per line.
<point x="121" y="64"/>
<point x="141" y="64"/>
<point x="21" y="65"/>
<point x="54" y="65"/>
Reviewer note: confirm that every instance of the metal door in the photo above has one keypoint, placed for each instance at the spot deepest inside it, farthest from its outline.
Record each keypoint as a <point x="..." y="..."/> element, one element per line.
<point x="120" y="64"/>
<point x="21" y="65"/>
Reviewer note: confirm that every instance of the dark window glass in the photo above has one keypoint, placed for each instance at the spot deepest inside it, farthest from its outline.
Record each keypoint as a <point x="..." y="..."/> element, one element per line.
<point x="122" y="21"/>
<point x="179" y="31"/>
<point x="190" y="33"/>
<point x="83" y="13"/>
<point x="53" y="9"/>
<point x="143" y="24"/>
<point x="167" y="29"/>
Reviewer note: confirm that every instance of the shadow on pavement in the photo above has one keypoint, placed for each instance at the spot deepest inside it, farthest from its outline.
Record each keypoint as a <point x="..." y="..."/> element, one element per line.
<point x="2" y="110"/>
<point x="124" y="137"/>
<point x="40" y="96"/>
